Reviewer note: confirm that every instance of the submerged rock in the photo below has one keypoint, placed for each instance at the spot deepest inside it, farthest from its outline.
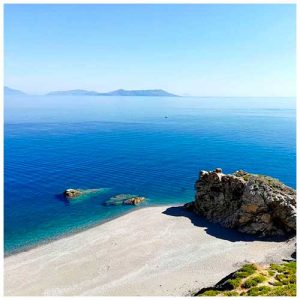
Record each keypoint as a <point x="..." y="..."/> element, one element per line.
<point x="254" y="204"/>
<point x="126" y="199"/>
<point x="118" y="199"/>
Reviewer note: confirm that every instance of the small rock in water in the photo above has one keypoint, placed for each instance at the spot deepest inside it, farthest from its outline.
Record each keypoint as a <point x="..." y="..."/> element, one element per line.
<point x="72" y="193"/>
<point x="134" y="200"/>
<point x="119" y="199"/>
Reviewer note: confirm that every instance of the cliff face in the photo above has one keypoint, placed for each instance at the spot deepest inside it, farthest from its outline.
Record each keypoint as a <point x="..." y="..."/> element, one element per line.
<point x="253" y="204"/>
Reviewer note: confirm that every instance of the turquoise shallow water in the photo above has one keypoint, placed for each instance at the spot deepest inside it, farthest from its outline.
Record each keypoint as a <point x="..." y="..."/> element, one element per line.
<point x="127" y="145"/>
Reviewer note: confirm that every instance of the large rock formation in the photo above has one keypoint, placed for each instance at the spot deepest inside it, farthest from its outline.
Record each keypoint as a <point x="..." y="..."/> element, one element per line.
<point x="253" y="204"/>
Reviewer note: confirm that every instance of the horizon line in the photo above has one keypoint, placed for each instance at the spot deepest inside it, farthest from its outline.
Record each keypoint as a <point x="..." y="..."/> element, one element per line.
<point x="181" y="95"/>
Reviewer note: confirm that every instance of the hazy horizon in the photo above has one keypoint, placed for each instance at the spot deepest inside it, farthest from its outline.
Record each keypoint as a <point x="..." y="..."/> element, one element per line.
<point x="199" y="50"/>
<point x="184" y="95"/>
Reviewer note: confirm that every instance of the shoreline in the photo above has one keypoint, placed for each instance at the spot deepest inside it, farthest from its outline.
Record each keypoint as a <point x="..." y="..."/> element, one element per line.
<point x="158" y="250"/>
<point x="79" y="230"/>
<point x="67" y="234"/>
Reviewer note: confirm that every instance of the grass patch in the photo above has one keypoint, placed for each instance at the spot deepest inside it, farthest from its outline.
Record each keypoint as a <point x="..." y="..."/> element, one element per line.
<point x="210" y="293"/>
<point x="249" y="269"/>
<point x="290" y="266"/>
<point x="271" y="273"/>
<point x="259" y="291"/>
<point x="286" y="278"/>
<point x="254" y="281"/>
<point x="276" y="283"/>
<point x="231" y="293"/>
<point x="272" y="280"/>
<point x="240" y="274"/>
<point x="288" y="290"/>
<point x="233" y="283"/>
<point x="276" y="267"/>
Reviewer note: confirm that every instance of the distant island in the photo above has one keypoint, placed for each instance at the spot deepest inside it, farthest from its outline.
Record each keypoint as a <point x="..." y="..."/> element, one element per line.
<point x="120" y="92"/>
<point x="79" y="92"/>
<point x="13" y="92"/>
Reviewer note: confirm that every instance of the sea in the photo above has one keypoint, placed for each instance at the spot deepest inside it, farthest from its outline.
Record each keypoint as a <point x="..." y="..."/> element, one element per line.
<point x="147" y="146"/>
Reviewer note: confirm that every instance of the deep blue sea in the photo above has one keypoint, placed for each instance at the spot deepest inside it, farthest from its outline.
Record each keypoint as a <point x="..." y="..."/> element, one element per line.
<point x="148" y="146"/>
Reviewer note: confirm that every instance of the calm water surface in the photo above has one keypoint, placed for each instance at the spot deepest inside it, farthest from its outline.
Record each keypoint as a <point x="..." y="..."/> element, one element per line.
<point x="147" y="146"/>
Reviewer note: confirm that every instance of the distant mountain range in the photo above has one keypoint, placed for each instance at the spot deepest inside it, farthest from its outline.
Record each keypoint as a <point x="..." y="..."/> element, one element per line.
<point x="121" y="92"/>
<point x="160" y="93"/>
<point x="13" y="92"/>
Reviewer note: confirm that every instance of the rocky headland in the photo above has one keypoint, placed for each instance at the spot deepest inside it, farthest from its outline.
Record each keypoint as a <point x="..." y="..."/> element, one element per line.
<point x="250" y="203"/>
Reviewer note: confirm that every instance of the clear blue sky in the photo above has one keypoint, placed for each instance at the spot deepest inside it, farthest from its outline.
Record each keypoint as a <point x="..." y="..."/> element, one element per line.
<point x="204" y="50"/>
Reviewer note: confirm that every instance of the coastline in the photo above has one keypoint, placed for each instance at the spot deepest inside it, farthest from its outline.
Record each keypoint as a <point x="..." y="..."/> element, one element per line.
<point x="79" y="230"/>
<point x="157" y="250"/>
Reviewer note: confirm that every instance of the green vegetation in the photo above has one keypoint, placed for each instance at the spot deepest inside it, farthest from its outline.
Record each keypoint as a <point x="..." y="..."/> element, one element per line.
<point x="289" y="290"/>
<point x="254" y="281"/>
<point x="251" y="280"/>
<point x="241" y="274"/>
<point x="249" y="268"/>
<point x="259" y="179"/>
<point x="243" y="174"/>
<point x="274" y="183"/>
<point x="210" y="293"/>
<point x="278" y="268"/>
<point x="259" y="291"/>
<point x="234" y="283"/>
<point x="246" y="177"/>
<point x="231" y="293"/>
<point x="286" y="278"/>
<point x="271" y="273"/>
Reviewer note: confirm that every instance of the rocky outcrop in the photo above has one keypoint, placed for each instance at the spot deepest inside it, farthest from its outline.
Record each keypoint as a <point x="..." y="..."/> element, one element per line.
<point x="254" y="204"/>
<point x="75" y="193"/>
<point x="134" y="200"/>
<point x="126" y="199"/>
<point x="72" y="193"/>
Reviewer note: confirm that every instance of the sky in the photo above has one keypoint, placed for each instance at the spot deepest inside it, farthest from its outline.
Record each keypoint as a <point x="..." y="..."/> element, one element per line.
<point x="196" y="50"/>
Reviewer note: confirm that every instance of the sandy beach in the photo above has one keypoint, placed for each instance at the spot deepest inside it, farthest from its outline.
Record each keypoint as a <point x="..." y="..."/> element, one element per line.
<point x="151" y="251"/>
